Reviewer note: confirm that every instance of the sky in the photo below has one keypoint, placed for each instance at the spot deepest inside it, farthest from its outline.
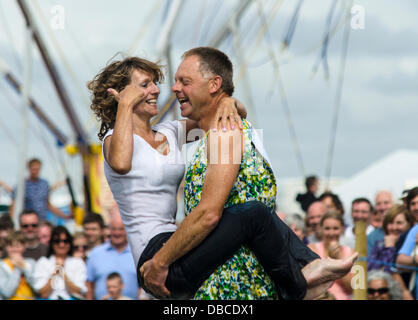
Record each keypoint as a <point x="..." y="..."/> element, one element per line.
<point x="379" y="101"/>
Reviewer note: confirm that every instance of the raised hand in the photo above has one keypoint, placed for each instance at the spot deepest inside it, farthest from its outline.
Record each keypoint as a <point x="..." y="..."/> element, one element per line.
<point x="130" y="96"/>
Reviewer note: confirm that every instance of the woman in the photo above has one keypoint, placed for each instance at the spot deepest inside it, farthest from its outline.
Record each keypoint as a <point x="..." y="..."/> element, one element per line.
<point x="80" y="246"/>
<point x="143" y="164"/>
<point x="59" y="276"/>
<point x="381" y="286"/>
<point x="396" y="221"/>
<point x="15" y="271"/>
<point x="332" y="227"/>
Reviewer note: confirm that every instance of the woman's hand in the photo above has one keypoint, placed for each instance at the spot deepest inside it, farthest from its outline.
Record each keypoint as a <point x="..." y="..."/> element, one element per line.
<point x="130" y="96"/>
<point x="390" y="241"/>
<point x="334" y="250"/>
<point x="18" y="261"/>
<point x="227" y="117"/>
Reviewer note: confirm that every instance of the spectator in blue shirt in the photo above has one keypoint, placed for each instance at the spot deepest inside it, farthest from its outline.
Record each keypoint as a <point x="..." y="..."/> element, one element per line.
<point x="112" y="256"/>
<point x="407" y="255"/>
<point x="37" y="194"/>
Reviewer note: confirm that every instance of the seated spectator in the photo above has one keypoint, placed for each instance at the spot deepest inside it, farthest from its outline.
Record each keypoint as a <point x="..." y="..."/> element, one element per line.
<point x="59" y="276"/>
<point x="306" y="199"/>
<point x="93" y="225"/>
<point x="29" y="224"/>
<point x="16" y="271"/>
<point x="296" y="223"/>
<point x="6" y="227"/>
<point x="44" y="232"/>
<point x="114" y="285"/>
<point x="332" y="202"/>
<point x="332" y="227"/>
<point x="80" y="246"/>
<point x="381" y="286"/>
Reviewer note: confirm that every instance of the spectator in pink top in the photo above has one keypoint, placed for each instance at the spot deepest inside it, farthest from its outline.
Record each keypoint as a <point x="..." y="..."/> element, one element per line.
<point x="332" y="227"/>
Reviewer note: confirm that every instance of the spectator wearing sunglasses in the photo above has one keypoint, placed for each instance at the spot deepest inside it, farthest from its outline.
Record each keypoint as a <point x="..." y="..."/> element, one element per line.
<point x="80" y="246"/>
<point x="381" y="286"/>
<point x="60" y="276"/>
<point x="29" y="225"/>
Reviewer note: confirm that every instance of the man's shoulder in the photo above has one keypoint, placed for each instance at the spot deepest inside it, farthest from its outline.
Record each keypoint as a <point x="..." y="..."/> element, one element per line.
<point x="99" y="250"/>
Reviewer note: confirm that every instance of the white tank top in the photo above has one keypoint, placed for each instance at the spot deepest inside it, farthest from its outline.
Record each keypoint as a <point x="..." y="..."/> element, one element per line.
<point x="147" y="195"/>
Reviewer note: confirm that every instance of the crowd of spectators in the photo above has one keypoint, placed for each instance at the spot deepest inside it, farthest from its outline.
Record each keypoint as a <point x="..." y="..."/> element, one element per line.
<point x="392" y="238"/>
<point x="40" y="260"/>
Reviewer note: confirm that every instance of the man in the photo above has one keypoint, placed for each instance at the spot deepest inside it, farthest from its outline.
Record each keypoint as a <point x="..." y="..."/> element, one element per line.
<point x="315" y="212"/>
<point x="383" y="202"/>
<point x="37" y="194"/>
<point x="361" y="210"/>
<point x="199" y="87"/>
<point x="44" y="233"/>
<point x="93" y="225"/>
<point x="306" y="199"/>
<point x="29" y="224"/>
<point x="112" y="256"/>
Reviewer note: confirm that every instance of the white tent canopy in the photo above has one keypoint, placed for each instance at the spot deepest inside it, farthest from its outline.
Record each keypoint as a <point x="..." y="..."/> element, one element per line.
<point x="395" y="172"/>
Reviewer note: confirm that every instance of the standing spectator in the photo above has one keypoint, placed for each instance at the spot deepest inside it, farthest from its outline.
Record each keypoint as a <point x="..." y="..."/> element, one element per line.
<point x="332" y="226"/>
<point x="383" y="203"/>
<point x="93" y="225"/>
<point x="315" y="212"/>
<point x="15" y="271"/>
<point x="114" y="285"/>
<point x="412" y="201"/>
<point x="29" y="224"/>
<point x="361" y="210"/>
<point x="6" y="227"/>
<point x="37" y="194"/>
<point x="80" y="246"/>
<point x="332" y="202"/>
<point x="296" y="223"/>
<point x="381" y="286"/>
<point x="44" y="232"/>
<point x="306" y="199"/>
<point x="112" y="256"/>
<point x="60" y="276"/>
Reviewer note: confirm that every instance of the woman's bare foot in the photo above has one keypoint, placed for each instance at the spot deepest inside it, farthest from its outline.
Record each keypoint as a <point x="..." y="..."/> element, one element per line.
<point x="321" y="273"/>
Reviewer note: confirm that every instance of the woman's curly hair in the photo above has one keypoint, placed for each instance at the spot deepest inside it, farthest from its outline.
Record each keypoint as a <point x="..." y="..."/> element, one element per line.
<point x="116" y="75"/>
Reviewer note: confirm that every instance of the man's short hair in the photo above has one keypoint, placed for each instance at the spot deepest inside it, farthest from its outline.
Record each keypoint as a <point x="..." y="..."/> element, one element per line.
<point x="412" y="193"/>
<point x="214" y="62"/>
<point x="358" y="200"/>
<point x="34" y="160"/>
<point x="114" y="275"/>
<point x="93" y="217"/>
<point x="27" y="212"/>
<point x="310" y="181"/>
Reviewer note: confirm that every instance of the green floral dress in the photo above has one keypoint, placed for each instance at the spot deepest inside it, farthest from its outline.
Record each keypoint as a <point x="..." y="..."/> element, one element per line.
<point x="242" y="277"/>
